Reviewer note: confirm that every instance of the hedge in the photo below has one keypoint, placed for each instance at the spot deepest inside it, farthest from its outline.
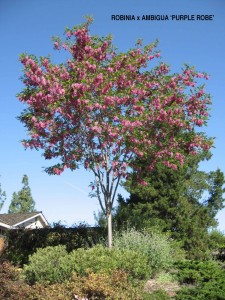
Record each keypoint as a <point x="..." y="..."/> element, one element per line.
<point x="23" y="242"/>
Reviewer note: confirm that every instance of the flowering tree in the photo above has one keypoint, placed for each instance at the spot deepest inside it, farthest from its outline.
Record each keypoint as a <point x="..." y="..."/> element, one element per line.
<point x="105" y="110"/>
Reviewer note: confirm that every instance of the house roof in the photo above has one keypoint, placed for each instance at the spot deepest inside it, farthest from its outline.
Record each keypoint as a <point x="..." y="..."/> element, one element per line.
<point x="17" y="218"/>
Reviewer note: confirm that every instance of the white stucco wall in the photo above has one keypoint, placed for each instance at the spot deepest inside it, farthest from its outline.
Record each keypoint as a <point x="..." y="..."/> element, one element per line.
<point x="32" y="224"/>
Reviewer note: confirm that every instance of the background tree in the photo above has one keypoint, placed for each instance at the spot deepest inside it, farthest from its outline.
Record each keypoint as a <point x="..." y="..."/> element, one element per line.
<point x="22" y="201"/>
<point x="217" y="244"/>
<point x="184" y="202"/>
<point x="102" y="109"/>
<point x="2" y="197"/>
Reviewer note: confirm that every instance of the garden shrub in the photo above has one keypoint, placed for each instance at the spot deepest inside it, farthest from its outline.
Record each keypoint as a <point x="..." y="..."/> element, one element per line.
<point x="100" y="258"/>
<point x="11" y="287"/>
<point x="57" y="291"/>
<point x="21" y="242"/>
<point x="114" y="286"/>
<point x="54" y="264"/>
<point x="47" y="265"/>
<point x="203" y="280"/>
<point x="156" y="246"/>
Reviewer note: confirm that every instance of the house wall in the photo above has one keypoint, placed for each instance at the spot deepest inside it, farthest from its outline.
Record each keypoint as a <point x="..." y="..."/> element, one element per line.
<point x="32" y="224"/>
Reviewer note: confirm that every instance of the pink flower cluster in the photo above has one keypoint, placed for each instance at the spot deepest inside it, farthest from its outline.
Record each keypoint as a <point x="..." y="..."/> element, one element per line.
<point x="102" y="110"/>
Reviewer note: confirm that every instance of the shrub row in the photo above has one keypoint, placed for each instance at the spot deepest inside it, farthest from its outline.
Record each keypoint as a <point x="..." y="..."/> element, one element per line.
<point x="54" y="264"/>
<point x="113" y="286"/>
<point x="22" y="243"/>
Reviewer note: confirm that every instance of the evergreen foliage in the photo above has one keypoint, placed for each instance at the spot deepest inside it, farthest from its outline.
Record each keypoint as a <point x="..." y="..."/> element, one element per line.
<point x="184" y="202"/>
<point x="23" y="243"/>
<point x="2" y="197"/>
<point x="22" y="201"/>
<point x="202" y="280"/>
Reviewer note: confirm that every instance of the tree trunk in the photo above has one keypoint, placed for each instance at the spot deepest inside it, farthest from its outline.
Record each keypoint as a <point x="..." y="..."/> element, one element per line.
<point x="109" y="223"/>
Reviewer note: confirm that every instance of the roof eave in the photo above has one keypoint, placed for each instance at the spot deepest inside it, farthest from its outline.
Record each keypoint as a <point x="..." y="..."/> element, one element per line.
<point x="34" y="216"/>
<point x="5" y="225"/>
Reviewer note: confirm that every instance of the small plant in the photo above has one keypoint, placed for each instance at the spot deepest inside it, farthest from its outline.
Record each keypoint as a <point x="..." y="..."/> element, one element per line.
<point x="156" y="295"/>
<point x="164" y="277"/>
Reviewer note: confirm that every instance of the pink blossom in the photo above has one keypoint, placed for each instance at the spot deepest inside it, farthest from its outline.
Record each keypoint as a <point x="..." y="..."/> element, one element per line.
<point x="68" y="34"/>
<point x="200" y="75"/>
<point x="124" y="164"/>
<point x="110" y="70"/>
<point x="43" y="81"/>
<point x="56" y="45"/>
<point x="97" y="129"/>
<point x="143" y="182"/>
<point x="113" y="134"/>
<point x="199" y="122"/>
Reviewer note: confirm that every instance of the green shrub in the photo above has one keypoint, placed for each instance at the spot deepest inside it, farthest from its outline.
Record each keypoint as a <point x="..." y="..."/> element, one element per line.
<point x="113" y="286"/>
<point x="100" y="258"/>
<point x="202" y="280"/>
<point x="157" y="247"/>
<point x="217" y="244"/>
<point x="47" y="265"/>
<point x="54" y="264"/>
<point x="22" y="243"/>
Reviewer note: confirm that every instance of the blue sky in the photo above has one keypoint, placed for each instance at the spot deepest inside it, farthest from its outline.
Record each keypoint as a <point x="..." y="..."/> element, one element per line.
<point x="27" y="26"/>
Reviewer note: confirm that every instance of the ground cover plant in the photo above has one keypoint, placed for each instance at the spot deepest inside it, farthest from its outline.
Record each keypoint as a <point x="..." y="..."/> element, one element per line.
<point x="203" y="280"/>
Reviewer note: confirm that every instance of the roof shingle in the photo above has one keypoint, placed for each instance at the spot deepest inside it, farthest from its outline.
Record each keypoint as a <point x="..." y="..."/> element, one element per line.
<point x="12" y="219"/>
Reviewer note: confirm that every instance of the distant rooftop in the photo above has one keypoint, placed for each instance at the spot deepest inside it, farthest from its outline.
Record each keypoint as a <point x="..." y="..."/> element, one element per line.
<point x="13" y="219"/>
